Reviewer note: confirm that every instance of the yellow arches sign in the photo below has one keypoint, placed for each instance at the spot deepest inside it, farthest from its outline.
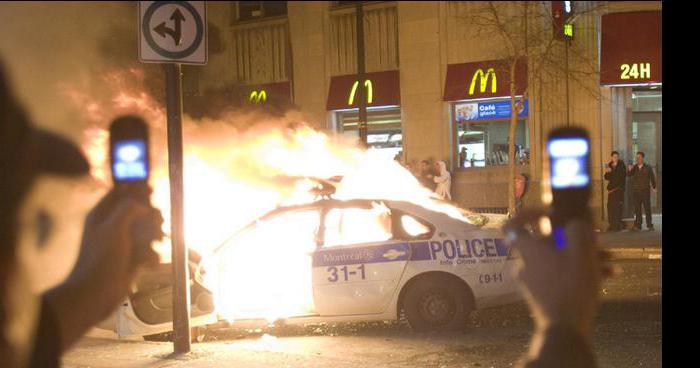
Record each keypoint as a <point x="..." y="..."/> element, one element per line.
<point x="368" y="86"/>
<point x="264" y="94"/>
<point x="375" y="88"/>
<point x="257" y="96"/>
<point x="483" y="81"/>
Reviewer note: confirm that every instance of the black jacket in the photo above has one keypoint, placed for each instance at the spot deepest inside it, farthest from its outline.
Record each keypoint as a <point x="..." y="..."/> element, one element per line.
<point x="642" y="178"/>
<point x="617" y="177"/>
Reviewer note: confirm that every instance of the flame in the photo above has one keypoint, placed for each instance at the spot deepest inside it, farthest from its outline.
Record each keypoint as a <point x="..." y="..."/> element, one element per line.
<point x="238" y="168"/>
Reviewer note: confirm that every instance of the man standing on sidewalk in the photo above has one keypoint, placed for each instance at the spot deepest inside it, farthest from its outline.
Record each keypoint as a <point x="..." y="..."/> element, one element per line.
<point x="616" y="176"/>
<point x="642" y="178"/>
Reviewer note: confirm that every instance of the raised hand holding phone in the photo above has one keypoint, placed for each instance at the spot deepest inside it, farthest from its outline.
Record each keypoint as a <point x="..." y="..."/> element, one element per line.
<point x="561" y="269"/>
<point x="116" y="238"/>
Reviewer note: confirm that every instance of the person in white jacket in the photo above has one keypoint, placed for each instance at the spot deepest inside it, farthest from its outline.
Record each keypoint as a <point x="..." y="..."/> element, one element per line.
<point x="443" y="181"/>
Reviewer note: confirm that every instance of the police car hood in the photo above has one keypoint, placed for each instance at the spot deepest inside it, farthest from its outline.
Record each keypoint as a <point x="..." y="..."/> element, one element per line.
<point x="467" y="223"/>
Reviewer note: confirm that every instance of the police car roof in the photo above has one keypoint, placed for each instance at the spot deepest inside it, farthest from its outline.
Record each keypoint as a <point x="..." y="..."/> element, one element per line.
<point x="327" y="204"/>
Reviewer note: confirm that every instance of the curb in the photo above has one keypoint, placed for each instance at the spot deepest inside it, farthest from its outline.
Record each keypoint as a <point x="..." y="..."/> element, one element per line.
<point x="635" y="253"/>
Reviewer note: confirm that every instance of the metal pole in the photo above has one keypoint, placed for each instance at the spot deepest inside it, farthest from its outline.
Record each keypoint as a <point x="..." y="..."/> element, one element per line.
<point x="566" y="68"/>
<point x="361" y="96"/>
<point x="181" y="290"/>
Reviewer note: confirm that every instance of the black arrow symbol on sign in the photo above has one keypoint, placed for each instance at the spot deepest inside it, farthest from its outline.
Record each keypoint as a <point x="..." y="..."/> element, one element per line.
<point x="176" y="34"/>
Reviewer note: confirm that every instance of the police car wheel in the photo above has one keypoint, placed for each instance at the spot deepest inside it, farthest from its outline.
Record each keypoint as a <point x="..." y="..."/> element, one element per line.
<point x="436" y="304"/>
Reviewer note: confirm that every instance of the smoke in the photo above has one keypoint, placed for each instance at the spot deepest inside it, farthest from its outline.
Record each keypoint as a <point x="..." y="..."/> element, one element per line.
<point x="47" y="43"/>
<point x="238" y="164"/>
<point x="74" y="66"/>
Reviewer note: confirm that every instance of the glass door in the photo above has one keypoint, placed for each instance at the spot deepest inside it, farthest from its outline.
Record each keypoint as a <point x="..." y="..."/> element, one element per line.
<point x="646" y="137"/>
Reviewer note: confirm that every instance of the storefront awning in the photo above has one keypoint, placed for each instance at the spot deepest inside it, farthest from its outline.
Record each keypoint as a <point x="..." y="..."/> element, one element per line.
<point x="380" y="89"/>
<point x="483" y="79"/>
<point x="261" y="93"/>
<point x="631" y="48"/>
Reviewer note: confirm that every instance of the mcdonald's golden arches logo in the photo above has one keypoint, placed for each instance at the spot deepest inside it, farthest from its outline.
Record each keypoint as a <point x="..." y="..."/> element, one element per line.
<point x="257" y="96"/>
<point x="483" y="80"/>
<point x="368" y="86"/>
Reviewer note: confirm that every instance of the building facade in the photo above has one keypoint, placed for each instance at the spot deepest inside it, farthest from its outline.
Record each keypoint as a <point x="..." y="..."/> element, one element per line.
<point x="438" y="80"/>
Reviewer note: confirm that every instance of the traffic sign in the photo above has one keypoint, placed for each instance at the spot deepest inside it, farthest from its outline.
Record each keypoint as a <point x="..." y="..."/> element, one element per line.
<point x="173" y="31"/>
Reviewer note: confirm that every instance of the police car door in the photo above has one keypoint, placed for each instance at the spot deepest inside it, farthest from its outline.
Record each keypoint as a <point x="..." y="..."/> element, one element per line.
<point x="358" y="267"/>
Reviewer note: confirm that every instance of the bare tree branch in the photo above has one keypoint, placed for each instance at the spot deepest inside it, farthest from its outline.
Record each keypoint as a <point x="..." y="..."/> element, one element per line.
<point x="501" y="29"/>
<point x="543" y="50"/>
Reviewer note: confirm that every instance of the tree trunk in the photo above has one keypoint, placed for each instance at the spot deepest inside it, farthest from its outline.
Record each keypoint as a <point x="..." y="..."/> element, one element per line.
<point x="511" y="140"/>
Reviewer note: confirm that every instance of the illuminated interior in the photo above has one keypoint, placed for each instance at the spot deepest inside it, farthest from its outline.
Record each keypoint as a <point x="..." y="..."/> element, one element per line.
<point x="383" y="128"/>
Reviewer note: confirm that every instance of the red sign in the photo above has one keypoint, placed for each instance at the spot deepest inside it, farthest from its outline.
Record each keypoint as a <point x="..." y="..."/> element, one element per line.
<point x="483" y="79"/>
<point x="262" y="93"/>
<point x="379" y="88"/>
<point x="631" y="48"/>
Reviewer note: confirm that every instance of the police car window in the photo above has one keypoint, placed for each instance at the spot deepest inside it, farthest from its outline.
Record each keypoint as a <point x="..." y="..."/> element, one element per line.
<point x="413" y="227"/>
<point x="275" y="253"/>
<point x="346" y="226"/>
<point x="297" y="227"/>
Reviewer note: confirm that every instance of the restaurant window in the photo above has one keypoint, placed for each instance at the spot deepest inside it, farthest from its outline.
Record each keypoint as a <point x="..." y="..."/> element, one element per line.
<point x="483" y="141"/>
<point x="383" y="128"/>
<point x="248" y="10"/>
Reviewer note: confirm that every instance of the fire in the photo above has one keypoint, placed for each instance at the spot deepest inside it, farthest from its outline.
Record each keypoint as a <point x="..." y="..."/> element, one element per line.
<point x="234" y="175"/>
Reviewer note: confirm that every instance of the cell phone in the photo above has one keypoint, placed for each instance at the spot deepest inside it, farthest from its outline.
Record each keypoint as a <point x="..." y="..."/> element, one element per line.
<point x="129" y="154"/>
<point x="568" y="150"/>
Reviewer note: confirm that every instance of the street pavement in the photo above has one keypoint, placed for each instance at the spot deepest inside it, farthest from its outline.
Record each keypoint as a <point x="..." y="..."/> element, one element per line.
<point x="628" y="244"/>
<point x="628" y="334"/>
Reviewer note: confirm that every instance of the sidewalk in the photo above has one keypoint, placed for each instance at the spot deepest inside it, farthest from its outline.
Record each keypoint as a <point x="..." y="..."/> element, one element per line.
<point x="629" y="244"/>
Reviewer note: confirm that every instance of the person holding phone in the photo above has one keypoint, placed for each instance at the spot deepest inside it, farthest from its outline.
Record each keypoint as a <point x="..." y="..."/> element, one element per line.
<point x="643" y="179"/>
<point x="561" y="288"/>
<point x="35" y="329"/>
<point x="560" y="266"/>
<point x="616" y="176"/>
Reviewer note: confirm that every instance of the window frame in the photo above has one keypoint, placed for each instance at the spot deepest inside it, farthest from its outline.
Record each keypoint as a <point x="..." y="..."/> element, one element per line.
<point x="236" y="14"/>
<point x="455" y="131"/>
<point x="372" y="128"/>
<point x="641" y="91"/>
<point x="254" y="225"/>
<point x="336" y="4"/>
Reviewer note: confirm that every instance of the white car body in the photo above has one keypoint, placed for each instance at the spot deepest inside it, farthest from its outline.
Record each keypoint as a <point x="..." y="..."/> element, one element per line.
<point x="365" y="282"/>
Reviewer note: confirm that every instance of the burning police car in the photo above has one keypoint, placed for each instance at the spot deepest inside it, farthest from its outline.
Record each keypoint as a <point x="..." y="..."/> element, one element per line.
<point x="337" y="260"/>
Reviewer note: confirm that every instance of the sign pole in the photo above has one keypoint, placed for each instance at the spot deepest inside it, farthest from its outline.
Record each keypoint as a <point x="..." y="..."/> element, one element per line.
<point x="566" y="70"/>
<point x="361" y="95"/>
<point x="181" y="290"/>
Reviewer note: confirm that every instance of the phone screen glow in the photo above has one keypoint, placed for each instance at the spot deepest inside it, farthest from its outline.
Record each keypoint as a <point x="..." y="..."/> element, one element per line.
<point x="568" y="162"/>
<point x="130" y="161"/>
